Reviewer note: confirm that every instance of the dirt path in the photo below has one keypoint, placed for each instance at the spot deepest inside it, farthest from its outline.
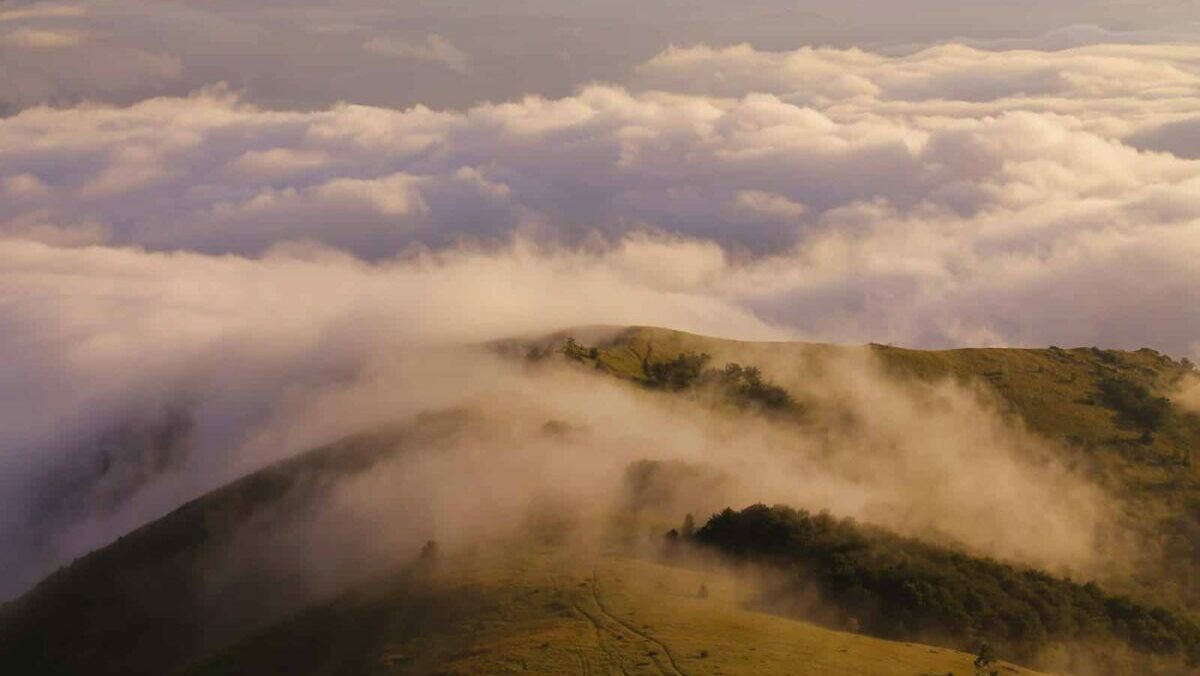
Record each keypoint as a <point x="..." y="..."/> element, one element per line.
<point x="673" y="669"/>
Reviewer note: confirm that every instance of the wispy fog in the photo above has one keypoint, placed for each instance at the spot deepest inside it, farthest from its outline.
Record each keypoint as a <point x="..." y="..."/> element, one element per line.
<point x="231" y="232"/>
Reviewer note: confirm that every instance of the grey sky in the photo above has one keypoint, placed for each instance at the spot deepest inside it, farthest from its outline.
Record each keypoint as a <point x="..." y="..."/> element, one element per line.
<point x="310" y="54"/>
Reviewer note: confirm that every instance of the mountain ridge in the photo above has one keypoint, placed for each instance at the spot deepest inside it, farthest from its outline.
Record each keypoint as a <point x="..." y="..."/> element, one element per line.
<point x="623" y="353"/>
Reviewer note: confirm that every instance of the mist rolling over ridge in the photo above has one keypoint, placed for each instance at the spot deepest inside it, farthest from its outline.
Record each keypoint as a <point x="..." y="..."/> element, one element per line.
<point x="684" y="338"/>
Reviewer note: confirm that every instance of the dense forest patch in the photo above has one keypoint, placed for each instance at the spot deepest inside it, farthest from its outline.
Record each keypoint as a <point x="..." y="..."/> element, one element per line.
<point x="899" y="588"/>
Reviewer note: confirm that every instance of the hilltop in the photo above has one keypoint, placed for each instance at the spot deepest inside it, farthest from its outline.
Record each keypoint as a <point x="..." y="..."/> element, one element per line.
<point x="1110" y="413"/>
<point x="138" y="605"/>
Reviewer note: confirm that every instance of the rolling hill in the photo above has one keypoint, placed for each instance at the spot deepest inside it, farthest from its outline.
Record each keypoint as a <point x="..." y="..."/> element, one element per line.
<point x="1058" y="394"/>
<point x="610" y="604"/>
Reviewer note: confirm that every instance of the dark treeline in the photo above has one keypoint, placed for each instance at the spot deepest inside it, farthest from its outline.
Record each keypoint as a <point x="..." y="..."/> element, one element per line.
<point x="899" y="588"/>
<point x="743" y="385"/>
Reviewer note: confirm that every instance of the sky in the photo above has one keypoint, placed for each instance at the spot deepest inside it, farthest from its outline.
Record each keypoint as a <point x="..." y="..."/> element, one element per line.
<point x="225" y="207"/>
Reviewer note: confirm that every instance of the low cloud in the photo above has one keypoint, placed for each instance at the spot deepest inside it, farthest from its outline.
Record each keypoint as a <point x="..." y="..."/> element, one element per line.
<point x="886" y="203"/>
<point x="149" y="378"/>
<point x="217" y="282"/>
<point x="257" y="359"/>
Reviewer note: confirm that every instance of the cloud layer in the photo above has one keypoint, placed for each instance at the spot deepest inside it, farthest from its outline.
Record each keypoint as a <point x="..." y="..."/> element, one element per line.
<point x="150" y="378"/>
<point x="952" y="196"/>
<point x="198" y="283"/>
<point x="454" y="54"/>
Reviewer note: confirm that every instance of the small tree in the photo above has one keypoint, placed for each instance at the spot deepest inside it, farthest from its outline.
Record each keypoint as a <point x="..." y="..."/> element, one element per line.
<point x="689" y="526"/>
<point x="985" y="660"/>
<point x="573" y="350"/>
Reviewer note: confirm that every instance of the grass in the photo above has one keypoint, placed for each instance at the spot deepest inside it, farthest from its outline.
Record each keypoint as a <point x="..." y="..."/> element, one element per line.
<point x="562" y="611"/>
<point x="124" y="609"/>
<point x="1053" y="392"/>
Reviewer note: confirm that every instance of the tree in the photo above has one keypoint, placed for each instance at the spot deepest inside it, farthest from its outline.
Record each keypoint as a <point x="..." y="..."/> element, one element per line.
<point x="689" y="526"/>
<point x="1135" y="405"/>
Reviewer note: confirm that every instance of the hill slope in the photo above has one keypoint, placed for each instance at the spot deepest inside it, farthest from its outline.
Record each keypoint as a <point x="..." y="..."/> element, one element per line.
<point x="134" y="607"/>
<point x="1062" y="395"/>
<point x="140" y="606"/>
<point x="554" y="610"/>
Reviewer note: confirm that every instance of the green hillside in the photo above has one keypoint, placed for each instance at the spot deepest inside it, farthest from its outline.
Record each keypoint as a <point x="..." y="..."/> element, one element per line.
<point x="553" y="610"/>
<point x="138" y="606"/>
<point x="1057" y="393"/>
<point x="1063" y="395"/>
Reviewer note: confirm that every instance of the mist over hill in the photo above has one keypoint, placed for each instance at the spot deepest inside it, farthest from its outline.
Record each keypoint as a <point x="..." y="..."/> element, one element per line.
<point x="569" y="336"/>
<point x="553" y="443"/>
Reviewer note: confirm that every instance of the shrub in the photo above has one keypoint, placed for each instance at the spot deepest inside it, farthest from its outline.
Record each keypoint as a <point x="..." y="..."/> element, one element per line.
<point x="1135" y="405"/>
<point x="679" y="373"/>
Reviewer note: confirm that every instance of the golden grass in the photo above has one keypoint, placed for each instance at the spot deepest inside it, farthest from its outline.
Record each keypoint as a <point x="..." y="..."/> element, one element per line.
<point x="553" y="610"/>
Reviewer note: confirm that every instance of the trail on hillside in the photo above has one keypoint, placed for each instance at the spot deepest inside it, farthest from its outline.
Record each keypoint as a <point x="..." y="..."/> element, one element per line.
<point x="674" y="666"/>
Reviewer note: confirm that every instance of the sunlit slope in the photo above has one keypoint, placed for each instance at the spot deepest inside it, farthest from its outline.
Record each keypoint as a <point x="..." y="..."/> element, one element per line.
<point x="133" y="607"/>
<point x="552" y="610"/>
<point x="1055" y="392"/>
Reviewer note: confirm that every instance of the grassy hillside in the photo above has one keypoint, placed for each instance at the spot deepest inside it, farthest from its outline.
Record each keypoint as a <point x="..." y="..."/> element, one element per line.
<point x="553" y="610"/>
<point x="138" y="607"/>
<point x="1058" y="394"/>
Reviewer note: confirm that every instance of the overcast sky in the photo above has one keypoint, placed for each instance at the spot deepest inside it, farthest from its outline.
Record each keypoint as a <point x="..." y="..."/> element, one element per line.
<point x="455" y="53"/>
<point x="211" y="202"/>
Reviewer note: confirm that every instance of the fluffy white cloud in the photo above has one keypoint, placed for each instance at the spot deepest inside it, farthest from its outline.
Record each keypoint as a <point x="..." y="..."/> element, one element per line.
<point x="888" y="203"/>
<point x="163" y="375"/>
<point x="147" y="378"/>
<point x="1101" y="85"/>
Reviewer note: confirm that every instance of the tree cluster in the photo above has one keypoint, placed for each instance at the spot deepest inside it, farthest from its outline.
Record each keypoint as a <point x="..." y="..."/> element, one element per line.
<point x="1135" y="405"/>
<point x="904" y="589"/>
<point x="747" y="387"/>
<point x="742" y="385"/>
<point x="679" y="373"/>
